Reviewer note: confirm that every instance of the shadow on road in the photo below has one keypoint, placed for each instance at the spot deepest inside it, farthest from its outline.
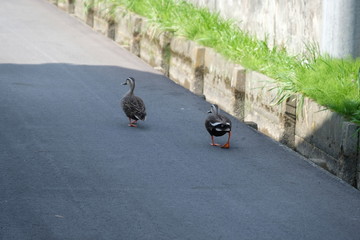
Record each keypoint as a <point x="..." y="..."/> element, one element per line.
<point x="71" y="168"/>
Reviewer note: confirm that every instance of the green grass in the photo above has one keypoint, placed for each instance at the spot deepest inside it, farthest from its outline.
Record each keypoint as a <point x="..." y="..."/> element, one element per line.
<point x="333" y="83"/>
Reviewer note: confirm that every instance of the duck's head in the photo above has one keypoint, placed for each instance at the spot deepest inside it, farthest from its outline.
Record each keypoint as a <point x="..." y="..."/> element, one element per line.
<point x="214" y="109"/>
<point x="130" y="81"/>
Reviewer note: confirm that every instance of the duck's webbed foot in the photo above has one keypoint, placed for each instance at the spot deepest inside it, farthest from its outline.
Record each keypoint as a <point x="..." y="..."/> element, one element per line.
<point x="132" y="123"/>
<point x="213" y="142"/>
<point x="227" y="144"/>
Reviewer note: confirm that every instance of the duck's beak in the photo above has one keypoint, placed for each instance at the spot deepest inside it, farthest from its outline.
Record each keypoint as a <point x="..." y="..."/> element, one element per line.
<point x="125" y="83"/>
<point x="209" y="111"/>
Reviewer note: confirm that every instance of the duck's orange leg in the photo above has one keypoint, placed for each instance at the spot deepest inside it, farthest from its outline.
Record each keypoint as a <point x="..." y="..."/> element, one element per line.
<point x="132" y="123"/>
<point x="227" y="144"/>
<point x="212" y="142"/>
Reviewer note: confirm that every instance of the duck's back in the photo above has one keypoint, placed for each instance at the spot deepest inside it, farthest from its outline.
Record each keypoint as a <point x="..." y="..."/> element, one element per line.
<point x="133" y="107"/>
<point x="217" y="125"/>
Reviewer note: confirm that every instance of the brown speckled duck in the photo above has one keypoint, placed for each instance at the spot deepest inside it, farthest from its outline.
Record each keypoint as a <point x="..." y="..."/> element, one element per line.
<point x="218" y="125"/>
<point x="133" y="106"/>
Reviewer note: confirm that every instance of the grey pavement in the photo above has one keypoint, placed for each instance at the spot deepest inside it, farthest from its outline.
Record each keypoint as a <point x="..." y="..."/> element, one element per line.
<point x="71" y="168"/>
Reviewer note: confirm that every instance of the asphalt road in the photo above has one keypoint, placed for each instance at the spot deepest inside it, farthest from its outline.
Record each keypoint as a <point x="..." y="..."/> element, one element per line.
<point x="71" y="168"/>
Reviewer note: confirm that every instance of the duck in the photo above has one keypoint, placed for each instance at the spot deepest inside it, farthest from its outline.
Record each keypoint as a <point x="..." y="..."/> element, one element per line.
<point x="218" y="125"/>
<point x="133" y="106"/>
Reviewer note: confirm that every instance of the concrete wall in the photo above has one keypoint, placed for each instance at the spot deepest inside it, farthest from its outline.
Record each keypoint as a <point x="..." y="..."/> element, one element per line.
<point x="287" y="23"/>
<point x="341" y="28"/>
<point x="332" y="24"/>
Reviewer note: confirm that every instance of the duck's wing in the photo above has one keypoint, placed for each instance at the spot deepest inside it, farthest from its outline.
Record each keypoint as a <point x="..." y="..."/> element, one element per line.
<point x="140" y="109"/>
<point x="134" y="107"/>
<point x="218" y="123"/>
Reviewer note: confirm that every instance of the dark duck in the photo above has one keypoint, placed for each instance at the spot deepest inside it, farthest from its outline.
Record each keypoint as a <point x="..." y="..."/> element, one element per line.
<point x="133" y="106"/>
<point x="218" y="125"/>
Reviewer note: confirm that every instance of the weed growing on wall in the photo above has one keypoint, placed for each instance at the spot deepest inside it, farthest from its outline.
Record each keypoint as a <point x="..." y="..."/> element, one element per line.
<point x="333" y="83"/>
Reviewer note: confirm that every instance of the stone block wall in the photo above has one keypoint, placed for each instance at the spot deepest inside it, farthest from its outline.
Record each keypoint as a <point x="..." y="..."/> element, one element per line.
<point x="218" y="73"/>
<point x="66" y="5"/>
<point x="260" y="107"/>
<point x="328" y="140"/>
<point x="84" y="11"/>
<point x="80" y="10"/>
<point x="186" y="64"/>
<point x="320" y="135"/>
<point x="128" y="30"/>
<point x="103" y="20"/>
<point x="155" y="47"/>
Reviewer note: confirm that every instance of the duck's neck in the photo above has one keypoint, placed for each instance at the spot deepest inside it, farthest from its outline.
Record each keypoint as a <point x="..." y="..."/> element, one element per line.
<point x="215" y="110"/>
<point x="132" y="87"/>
